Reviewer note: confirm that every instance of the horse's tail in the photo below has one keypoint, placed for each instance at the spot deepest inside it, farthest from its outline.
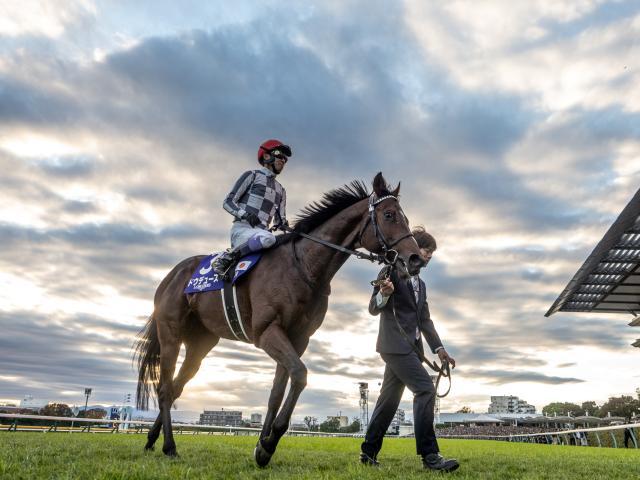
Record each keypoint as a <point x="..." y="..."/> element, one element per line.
<point x="147" y="356"/>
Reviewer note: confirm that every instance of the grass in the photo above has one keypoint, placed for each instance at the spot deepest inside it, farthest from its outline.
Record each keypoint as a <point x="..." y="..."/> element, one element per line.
<point x="104" y="456"/>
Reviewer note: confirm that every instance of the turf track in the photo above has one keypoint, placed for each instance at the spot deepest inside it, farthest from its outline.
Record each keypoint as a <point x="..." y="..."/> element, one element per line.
<point x="105" y="456"/>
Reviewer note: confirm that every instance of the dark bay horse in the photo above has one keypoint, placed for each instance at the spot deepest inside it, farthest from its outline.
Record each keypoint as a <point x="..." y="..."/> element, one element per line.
<point x="282" y="302"/>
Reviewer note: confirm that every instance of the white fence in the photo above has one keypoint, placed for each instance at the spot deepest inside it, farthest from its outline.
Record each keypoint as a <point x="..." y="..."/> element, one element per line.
<point x="578" y="436"/>
<point x="134" y="426"/>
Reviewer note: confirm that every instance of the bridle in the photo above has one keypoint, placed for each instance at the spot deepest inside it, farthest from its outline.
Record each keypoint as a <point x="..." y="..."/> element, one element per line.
<point x="390" y="255"/>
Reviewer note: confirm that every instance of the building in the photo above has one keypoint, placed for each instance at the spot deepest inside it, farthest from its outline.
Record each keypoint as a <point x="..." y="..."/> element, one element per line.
<point x="256" y="418"/>
<point x="343" y="420"/>
<point x="33" y="403"/>
<point x="509" y="404"/>
<point x="223" y="418"/>
<point x="399" y="417"/>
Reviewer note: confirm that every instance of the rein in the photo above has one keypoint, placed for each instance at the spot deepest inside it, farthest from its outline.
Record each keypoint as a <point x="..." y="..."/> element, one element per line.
<point x="389" y="257"/>
<point x="372" y="257"/>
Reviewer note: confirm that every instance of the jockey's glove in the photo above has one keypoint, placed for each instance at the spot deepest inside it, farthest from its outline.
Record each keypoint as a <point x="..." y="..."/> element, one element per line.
<point x="253" y="219"/>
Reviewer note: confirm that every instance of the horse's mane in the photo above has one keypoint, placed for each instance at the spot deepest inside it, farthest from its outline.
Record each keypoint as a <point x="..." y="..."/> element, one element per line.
<point x="331" y="203"/>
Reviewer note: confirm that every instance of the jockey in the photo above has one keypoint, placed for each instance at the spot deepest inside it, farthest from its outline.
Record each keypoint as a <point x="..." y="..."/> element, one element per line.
<point x="255" y="200"/>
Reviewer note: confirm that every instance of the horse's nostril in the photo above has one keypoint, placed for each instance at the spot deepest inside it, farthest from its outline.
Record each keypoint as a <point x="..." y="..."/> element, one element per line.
<point x="415" y="263"/>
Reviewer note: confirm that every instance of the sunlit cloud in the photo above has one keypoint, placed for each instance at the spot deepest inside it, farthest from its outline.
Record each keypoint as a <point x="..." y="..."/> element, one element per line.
<point x="514" y="133"/>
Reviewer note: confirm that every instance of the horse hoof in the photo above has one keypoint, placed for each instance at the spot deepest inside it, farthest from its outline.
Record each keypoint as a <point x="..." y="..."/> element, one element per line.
<point x="149" y="448"/>
<point x="261" y="455"/>
<point x="171" y="452"/>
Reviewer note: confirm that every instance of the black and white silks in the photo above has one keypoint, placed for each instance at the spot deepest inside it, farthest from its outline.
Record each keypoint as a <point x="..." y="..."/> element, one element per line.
<point x="257" y="192"/>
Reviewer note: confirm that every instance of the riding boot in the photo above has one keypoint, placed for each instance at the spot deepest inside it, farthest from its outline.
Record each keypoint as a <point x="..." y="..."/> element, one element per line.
<point x="225" y="262"/>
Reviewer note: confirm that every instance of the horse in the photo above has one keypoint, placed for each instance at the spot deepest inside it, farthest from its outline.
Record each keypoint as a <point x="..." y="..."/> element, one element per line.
<point x="283" y="301"/>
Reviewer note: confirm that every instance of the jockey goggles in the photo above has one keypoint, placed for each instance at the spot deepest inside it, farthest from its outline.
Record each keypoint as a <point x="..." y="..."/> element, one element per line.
<point x="279" y="155"/>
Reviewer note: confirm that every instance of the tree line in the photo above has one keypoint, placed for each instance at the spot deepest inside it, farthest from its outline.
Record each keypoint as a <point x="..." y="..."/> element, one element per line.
<point x="625" y="406"/>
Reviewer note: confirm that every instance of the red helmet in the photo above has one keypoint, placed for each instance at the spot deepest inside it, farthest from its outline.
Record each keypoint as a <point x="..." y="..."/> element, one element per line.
<point x="269" y="146"/>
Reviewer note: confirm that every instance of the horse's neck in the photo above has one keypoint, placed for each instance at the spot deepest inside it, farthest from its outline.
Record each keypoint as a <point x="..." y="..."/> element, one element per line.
<point x="321" y="262"/>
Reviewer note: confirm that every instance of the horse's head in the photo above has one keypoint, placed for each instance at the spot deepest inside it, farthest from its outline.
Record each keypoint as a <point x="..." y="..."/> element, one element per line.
<point x="386" y="230"/>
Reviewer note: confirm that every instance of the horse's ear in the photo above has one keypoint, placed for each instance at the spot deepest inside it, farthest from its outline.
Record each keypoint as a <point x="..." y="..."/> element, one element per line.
<point x="379" y="185"/>
<point x="396" y="192"/>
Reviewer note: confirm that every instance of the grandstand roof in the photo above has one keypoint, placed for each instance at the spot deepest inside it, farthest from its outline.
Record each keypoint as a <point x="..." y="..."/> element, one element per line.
<point x="609" y="279"/>
<point x="485" y="419"/>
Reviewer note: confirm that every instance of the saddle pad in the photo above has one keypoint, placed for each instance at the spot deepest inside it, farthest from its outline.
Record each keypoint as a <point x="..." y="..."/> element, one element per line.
<point x="204" y="279"/>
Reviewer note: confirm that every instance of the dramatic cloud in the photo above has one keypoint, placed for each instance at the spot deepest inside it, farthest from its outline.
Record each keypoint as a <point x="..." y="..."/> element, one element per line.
<point x="515" y="133"/>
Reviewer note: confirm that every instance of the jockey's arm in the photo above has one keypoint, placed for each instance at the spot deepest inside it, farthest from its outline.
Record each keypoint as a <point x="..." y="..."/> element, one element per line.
<point x="230" y="203"/>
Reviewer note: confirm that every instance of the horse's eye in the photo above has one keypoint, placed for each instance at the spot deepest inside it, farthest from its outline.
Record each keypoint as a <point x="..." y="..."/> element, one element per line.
<point x="388" y="215"/>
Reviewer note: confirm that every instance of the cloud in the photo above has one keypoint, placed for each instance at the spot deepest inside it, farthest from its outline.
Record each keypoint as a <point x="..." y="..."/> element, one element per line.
<point x="503" y="377"/>
<point x="514" y="133"/>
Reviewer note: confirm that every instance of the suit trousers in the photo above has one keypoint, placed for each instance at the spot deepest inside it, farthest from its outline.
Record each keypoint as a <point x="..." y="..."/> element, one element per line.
<point x="403" y="370"/>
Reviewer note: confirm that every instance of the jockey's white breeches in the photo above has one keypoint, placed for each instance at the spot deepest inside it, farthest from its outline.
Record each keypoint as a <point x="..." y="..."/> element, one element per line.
<point x="256" y="238"/>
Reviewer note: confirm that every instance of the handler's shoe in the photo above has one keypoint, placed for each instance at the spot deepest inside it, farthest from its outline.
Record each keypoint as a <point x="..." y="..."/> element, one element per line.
<point x="435" y="461"/>
<point x="367" y="460"/>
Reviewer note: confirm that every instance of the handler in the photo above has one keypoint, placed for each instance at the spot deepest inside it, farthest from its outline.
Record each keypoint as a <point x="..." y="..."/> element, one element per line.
<point x="406" y="301"/>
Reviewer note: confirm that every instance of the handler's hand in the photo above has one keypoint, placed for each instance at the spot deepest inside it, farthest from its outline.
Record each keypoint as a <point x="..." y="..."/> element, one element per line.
<point x="443" y="355"/>
<point x="386" y="287"/>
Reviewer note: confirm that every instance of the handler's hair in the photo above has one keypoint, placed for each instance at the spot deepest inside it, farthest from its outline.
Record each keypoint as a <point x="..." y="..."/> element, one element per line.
<point x="424" y="239"/>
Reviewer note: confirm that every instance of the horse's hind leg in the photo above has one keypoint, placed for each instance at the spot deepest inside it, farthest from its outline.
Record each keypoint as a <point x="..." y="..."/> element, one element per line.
<point x="197" y="343"/>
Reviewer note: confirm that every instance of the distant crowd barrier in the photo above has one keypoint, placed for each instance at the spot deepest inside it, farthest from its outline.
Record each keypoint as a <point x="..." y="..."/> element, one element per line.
<point x="14" y="422"/>
<point x="612" y="436"/>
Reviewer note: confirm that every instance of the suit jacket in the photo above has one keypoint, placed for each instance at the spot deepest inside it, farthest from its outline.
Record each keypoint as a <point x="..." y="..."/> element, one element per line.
<point x="410" y="315"/>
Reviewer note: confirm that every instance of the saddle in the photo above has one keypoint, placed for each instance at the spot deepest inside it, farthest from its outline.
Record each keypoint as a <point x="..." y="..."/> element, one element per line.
<point x="204" y="279"/>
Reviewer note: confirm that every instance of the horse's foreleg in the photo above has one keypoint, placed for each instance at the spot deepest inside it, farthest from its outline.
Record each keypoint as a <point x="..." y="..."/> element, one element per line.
<point x="275" y="399"/>
<point x="276" y="343"/>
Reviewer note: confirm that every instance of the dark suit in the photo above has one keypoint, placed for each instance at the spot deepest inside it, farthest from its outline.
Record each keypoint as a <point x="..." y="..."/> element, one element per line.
<point x="403" y="366"/>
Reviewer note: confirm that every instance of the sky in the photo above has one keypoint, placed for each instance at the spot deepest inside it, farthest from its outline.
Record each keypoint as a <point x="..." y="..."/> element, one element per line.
<point x="514" y="129"/>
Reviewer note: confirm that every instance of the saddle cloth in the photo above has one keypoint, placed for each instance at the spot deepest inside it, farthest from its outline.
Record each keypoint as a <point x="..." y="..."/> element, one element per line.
<point x="204" y="279"/>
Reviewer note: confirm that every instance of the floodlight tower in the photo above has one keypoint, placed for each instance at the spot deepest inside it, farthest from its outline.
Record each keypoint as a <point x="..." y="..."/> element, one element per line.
<point x="87" y="394"/>
<point x="364" y="406"/>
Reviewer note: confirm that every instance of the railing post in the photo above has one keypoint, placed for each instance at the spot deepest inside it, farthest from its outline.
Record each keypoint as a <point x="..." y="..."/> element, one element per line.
<point x="633" y="437"/>
<point x="615" y="443"/>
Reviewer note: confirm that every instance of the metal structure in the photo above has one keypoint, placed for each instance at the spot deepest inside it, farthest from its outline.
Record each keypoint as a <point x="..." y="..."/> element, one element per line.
<point x="87" y="394"/>
<point x="364" y="406"/>
<point x="609" y="279"/>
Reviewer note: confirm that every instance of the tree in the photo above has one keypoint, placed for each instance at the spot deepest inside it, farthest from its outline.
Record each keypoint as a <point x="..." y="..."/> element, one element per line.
<point x="96" y="413"/>
<point x="591" y="407"/>
<point x="56" y="410"/>
<point x="625" y="406"/>
<point x="562" y="408"/>
<point x="311" y="423"/>
<point x="465" y="410"/>
<point x="330" y="425"/>
<point x="353" y="428"/>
